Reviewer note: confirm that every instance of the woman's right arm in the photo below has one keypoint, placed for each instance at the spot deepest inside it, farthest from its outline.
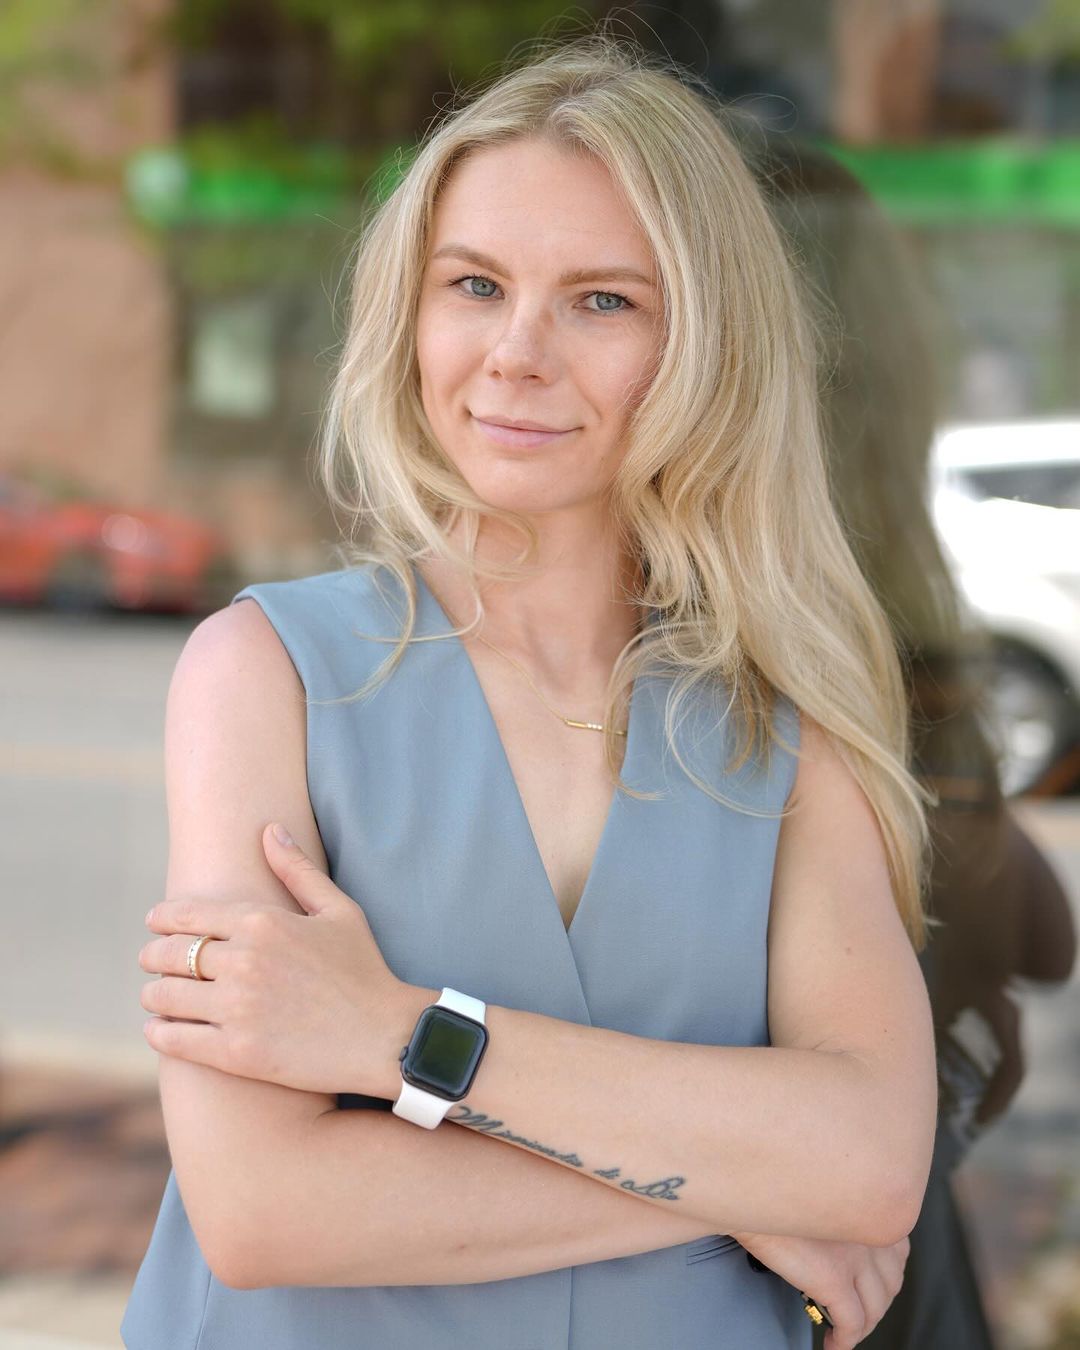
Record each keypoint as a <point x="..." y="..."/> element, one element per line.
<point x="448" y="1206"/>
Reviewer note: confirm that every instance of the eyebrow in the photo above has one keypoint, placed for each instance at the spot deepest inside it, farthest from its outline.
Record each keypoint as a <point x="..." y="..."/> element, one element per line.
<point x="613" y="272"/>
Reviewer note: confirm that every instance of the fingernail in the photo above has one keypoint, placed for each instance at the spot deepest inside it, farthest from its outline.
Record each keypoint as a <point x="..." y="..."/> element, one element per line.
<point x="282" y="835"/>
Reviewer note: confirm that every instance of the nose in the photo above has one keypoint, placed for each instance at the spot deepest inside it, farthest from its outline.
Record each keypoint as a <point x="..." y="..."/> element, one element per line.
<point x="523" y="348"/>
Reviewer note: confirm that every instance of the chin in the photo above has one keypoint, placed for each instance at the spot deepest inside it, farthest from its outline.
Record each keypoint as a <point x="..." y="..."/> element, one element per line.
<point x="523" y="502"/>
<point x="528" y="494"/>
<point x="528" y="482"/>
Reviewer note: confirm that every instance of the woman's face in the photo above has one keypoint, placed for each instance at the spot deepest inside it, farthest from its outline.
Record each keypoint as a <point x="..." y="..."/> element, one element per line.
<point x="540" y="303"/>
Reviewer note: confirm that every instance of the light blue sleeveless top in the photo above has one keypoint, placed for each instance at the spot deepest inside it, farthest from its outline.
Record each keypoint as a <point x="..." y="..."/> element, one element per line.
<point x="423" y="825"/>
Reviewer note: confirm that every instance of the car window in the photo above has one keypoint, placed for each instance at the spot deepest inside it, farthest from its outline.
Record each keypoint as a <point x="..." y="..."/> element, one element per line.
<point x="1055" y="484"/>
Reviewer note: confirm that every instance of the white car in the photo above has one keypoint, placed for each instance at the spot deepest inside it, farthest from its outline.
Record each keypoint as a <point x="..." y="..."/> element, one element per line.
<point x="1006" y="502"/>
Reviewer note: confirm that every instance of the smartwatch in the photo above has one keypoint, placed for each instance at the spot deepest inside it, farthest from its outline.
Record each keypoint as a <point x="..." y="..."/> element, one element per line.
<point x="440" y="1061"/>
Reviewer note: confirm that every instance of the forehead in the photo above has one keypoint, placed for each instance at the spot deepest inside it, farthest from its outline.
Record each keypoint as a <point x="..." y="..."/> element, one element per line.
<point x="536" y="196"/>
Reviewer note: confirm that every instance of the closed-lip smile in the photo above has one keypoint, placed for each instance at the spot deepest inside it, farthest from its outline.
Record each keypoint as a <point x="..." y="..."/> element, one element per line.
<point x="521" y="424"/>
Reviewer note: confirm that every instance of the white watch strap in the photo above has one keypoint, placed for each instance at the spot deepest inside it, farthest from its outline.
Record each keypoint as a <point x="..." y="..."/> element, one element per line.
<point x="414" y="1103"/>
<point x="462" y="1003"/>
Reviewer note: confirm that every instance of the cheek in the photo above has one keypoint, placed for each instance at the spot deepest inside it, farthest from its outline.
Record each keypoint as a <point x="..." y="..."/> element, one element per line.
<point x="649" y="356"/>
<point x="622" y="381"/>
<point x="426" y="350"/>
<point x="442" y="359"/>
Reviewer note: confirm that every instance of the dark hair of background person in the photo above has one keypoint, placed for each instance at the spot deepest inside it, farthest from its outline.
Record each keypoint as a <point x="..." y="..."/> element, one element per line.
<point x="1002" y="910"/>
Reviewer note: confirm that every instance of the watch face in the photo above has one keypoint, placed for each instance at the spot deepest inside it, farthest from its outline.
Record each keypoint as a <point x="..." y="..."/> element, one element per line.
<point x="444" y="1052"/>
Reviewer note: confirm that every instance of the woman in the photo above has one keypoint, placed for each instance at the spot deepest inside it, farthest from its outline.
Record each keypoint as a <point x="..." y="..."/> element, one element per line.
<point x="573" y="324"/>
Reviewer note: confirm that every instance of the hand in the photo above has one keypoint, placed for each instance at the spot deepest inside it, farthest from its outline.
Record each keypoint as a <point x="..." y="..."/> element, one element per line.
<point x="855" y="1283"/>
<point x="1002" y="1014"/>
<point x="305" y="1000"/>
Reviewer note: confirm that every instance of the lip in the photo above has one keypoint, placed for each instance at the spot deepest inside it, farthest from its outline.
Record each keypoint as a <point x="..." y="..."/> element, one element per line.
<point x="523" y="434"/>
<point x="520" y="423"/>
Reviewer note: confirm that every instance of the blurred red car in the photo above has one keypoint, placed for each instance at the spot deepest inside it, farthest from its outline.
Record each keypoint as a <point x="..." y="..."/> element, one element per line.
<point x="73" y="553"/>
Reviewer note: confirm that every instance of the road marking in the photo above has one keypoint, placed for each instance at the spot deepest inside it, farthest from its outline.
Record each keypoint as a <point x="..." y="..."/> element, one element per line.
<point x="139" y="764"/>
<point x="127" y="1059"/>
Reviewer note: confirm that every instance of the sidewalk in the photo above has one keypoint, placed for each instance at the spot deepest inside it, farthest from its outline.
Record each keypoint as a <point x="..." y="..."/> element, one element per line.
<point x="62" y="1312"/>
<point x="83" y="1165"/>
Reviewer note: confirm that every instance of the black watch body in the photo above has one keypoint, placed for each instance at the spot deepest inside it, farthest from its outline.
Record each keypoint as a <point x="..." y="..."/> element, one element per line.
<point x="444" y="1052"/>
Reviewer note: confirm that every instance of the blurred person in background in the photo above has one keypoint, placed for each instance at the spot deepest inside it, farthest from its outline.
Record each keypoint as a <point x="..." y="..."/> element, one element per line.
<point x="767" y="1034"/>
<point x="1002" y="911"/>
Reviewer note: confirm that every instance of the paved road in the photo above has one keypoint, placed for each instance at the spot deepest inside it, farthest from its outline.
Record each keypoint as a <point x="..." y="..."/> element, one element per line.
<point x="83" y="839"/>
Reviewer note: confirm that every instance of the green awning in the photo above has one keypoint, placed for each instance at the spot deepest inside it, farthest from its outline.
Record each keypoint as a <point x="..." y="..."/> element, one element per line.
<point x="966" y="182"/>
<point x="983" y="181"/>
<point x="166" y="186"/>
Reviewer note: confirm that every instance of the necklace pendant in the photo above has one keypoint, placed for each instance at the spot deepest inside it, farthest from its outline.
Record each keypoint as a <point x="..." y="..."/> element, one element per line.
<point x="589" y="726"/>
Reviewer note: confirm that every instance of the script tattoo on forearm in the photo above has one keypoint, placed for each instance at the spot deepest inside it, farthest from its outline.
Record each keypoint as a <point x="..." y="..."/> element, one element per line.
<point x="477" y="1120"/>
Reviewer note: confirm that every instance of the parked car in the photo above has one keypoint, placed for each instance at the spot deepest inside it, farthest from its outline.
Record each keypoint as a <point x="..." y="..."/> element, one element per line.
<point x="1006" y="502"/>
<point x="72" y="553"/>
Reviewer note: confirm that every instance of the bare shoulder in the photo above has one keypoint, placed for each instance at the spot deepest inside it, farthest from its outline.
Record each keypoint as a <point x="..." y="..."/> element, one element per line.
<point x="821" y="766"/>
<point x="830" y="864"/>
<point x="232" y="643"/>
<point x="842" y="970"/>
<point x="828" y="813"/>
<point x="235" y="737"/>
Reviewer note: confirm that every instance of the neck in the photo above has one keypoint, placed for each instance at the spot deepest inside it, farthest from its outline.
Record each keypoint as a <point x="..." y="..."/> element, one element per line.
<point x="567" y="621"/>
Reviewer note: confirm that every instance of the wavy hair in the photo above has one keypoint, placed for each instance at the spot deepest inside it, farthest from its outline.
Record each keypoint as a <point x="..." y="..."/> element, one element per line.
<point x="722" y="495"/>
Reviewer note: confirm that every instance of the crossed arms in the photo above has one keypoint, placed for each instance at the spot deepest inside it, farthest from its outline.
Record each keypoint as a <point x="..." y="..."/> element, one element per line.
<point x="826" y="1133"/>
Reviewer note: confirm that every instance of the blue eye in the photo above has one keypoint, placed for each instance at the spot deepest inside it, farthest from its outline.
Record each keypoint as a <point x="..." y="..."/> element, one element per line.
<point x="622" y="303"/>
<point x="484" y="281"/>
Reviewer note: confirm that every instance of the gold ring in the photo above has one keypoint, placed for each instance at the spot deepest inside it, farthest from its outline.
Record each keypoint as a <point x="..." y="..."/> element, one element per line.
<point x="816" y="1314"/>
<point x="193" y="957"/>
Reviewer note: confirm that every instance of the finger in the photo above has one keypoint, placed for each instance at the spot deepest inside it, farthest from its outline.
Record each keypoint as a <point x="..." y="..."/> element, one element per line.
<point x="169" y="956"/>
<point x="891" y="1264"/>
<point x="172" y="996"/>
<point x="218" y="918"/>
<point x="153" y="957"/>
<point x="846" y="1311"/>
<point x="1004" y="1017"/>
<point x="873" y="1296"/>
<point x="201" y="1043"/>
<point x="308" y="883"/>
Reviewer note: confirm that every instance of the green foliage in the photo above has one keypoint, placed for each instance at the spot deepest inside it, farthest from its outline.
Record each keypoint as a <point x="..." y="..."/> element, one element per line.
<point x="215" y="262"/>
<point x="385" y="67"/>
<point x="1053" y="35"/>
<point x="40" y="48"/>
<point x="365" y="37"/>
<point x="259" y="139"/>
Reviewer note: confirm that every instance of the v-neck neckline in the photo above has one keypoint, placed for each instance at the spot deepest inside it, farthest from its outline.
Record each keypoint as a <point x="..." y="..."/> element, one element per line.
<point x="604" y="843"/>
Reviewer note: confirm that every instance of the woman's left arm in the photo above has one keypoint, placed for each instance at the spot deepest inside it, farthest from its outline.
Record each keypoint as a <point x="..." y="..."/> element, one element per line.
<point x="826" y="1133"/>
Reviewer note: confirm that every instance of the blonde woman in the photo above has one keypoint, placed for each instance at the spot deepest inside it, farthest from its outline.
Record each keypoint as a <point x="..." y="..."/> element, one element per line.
<point x="601" y="841"/>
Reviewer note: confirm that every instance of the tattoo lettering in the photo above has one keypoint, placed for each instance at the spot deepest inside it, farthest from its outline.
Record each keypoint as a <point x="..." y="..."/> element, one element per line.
<point x="477" y="1120"/>
<point x="658" y="1190"/>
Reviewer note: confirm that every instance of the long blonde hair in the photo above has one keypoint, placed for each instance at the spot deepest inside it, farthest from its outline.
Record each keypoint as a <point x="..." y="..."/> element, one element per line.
<point x="722" y="494"/>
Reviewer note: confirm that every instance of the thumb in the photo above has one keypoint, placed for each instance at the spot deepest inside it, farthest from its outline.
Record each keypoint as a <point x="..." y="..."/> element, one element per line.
<point x="307" y="883"/>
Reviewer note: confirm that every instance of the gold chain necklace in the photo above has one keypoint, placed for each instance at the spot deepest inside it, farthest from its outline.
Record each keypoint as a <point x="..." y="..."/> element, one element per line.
<point x="570" y="722"/>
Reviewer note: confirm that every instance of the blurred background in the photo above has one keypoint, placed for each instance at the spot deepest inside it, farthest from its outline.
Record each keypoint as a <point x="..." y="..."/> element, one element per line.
<point x="180" y="186"/>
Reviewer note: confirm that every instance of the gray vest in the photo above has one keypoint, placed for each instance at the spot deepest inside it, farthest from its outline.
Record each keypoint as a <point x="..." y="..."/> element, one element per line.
<point x="424" y="826"/>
